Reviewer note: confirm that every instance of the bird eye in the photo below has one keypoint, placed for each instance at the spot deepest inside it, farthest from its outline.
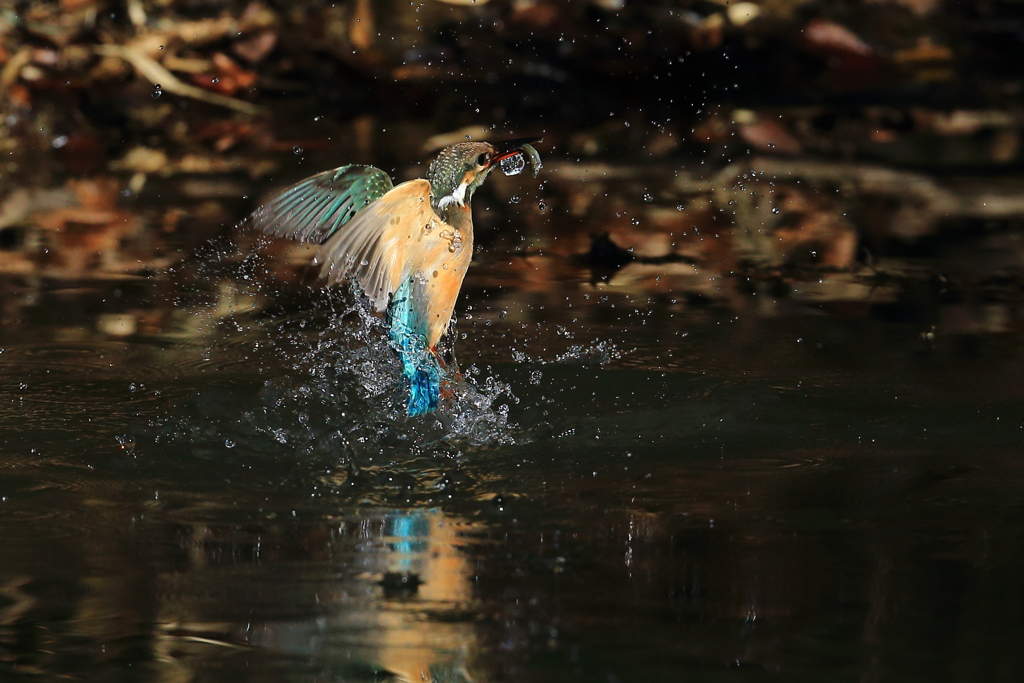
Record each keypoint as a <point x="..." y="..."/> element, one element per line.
<point x="482" y="159"/>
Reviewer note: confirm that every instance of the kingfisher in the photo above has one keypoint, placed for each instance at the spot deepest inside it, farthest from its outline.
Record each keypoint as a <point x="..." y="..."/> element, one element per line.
<point x="407" y="246"/>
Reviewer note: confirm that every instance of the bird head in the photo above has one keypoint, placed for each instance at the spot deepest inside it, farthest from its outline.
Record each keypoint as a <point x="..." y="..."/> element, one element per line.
<point x="461" y="168"/>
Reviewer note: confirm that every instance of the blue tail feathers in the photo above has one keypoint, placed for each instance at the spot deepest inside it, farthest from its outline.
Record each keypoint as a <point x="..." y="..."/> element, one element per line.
<point x="424" y="388"/>
<point x="420" y="366"/>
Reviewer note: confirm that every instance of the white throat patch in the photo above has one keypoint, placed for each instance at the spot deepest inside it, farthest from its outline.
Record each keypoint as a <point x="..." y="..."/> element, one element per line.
<point x="456" y="197"/>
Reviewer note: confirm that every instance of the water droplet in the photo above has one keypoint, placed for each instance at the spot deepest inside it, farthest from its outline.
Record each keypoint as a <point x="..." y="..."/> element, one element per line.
<point x="542" y="205"/>
<point x="535" y="377"/>
<point x="513" y="165"/>
<point x="215" y="79"/>
<point x="514" y="199"/>
<point x="648" y="197"/>
<point x="127" y="443"/>
<point x="679" y="207"/>
<point x="157" y="91"/>
<point x="297" y="150"/>
<point x="775" y="209"/>
<point x="635" y="221"/>
<point x="228" y="443"/>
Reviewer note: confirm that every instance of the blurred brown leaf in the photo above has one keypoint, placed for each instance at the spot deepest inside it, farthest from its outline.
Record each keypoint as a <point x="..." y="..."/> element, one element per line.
<point x="228" y="78"/>
<point x="829" y="38"/>
<point x="224" y="134"/>
<point x="768" y="135"/>
<point x="361" y="27"/>
<point x="59" y="25"/>
<point x="91" y="235"/>
<point x="20" y="96"/>
<point x="255" y="48"/>
<point x="924" y="51"/>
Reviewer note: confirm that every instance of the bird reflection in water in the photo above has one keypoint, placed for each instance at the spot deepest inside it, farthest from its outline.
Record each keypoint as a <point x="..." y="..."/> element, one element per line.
<point x="400" y="614"/>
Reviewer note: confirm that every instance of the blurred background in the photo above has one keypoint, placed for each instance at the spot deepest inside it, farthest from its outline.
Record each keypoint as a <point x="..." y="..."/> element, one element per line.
<point x="690" y="146"/>
<point x="742" y="365"/>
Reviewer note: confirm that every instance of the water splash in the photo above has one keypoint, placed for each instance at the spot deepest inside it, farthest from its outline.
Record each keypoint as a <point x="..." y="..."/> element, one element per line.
<point x="597" y="353"/>
<point x="330" y="383"/>
<point x="348" y="363"/>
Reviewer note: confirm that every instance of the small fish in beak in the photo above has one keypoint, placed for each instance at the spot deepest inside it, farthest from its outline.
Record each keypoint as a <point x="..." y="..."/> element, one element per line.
<point x="515" y="155"/>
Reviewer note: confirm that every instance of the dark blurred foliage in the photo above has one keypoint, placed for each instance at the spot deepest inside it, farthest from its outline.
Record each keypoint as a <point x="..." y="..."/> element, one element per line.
<point x="860" y="137"/>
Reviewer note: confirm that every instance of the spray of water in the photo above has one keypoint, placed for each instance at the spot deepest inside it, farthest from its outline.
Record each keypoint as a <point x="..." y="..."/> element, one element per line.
<point x="331" y="384"/>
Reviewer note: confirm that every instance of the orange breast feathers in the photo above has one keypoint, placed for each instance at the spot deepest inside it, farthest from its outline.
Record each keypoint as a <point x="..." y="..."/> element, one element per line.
<point x="397" y="237"/>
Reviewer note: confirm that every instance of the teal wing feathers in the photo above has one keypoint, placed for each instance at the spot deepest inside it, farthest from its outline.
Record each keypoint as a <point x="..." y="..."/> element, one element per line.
<point x="314" y="209"/>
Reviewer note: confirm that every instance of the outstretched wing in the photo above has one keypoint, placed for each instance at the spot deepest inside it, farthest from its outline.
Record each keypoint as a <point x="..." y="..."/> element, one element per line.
<point x="317" y="207"/>
<point x="378" y="247"/>
<point x="400" y="238"/>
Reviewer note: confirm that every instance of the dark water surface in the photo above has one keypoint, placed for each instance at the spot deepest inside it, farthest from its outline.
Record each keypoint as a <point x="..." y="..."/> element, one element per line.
<point x="627" y="487"/>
